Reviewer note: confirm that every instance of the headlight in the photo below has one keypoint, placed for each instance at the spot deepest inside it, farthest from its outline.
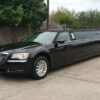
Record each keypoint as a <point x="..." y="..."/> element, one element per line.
<point x="20" y="56"/>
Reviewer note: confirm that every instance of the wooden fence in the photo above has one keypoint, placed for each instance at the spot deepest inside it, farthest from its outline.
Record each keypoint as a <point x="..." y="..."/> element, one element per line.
<point x="12" y="34"/>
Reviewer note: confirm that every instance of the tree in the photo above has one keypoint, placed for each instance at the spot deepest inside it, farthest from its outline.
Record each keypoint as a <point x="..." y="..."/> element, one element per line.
<point x="88" y="19"/>
<point x="63" y="17"/>
<point x="22" y="12"/>
<point x="11" y="17"/>
<point x="80" y="20"/>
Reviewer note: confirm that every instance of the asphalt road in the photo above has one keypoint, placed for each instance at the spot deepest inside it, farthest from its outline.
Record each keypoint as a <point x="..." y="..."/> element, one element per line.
<point x="80" y="81"/>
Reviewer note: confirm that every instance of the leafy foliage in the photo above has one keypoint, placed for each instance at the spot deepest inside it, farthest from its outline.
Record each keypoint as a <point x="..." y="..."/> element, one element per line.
<point x="9" y="16"/>
<point x="22" y="12"/>
<point x="83" y="19"/>
<point x="63" y="16"/>
<point x="88" y="19"/>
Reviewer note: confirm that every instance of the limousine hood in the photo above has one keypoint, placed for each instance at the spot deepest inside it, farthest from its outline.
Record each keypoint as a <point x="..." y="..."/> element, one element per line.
<point x="20" y="45"/>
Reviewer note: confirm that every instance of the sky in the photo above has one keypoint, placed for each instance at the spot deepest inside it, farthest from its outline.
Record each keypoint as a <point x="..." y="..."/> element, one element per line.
<point x="77" y="5"/>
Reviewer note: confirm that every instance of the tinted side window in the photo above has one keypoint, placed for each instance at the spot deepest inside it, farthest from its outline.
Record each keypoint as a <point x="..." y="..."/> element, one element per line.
<point x="80" y="35"/>
<point x="64" y="36"/>
<point x="87" y="35"/>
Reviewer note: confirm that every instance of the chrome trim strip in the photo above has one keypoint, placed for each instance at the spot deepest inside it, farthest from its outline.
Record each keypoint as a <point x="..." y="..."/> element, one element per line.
<point x="16" y="61"/>
<point x="5" y="53"/>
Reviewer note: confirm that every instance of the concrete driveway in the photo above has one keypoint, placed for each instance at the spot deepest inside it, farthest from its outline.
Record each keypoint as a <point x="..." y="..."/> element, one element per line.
<point x="77" y="82"/>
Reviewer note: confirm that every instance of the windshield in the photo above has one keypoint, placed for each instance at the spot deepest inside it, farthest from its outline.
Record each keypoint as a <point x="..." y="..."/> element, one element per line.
<point x="43" y="38"/>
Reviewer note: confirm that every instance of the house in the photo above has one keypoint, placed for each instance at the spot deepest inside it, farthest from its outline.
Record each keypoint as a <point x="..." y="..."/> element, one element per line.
<point x="52" y="25"/>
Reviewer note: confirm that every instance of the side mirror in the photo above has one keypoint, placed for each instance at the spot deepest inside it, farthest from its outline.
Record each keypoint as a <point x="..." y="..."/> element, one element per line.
<point x="59" y="42"/>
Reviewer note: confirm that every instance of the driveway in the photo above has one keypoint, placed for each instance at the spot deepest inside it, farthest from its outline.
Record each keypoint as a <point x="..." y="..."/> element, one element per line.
<point x="80" y="81"/>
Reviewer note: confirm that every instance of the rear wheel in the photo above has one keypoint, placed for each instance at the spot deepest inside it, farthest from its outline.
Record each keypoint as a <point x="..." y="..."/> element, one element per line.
<point x="40" y="68"/>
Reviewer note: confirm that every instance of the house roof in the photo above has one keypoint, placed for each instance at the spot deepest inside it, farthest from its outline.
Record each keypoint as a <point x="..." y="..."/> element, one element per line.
<point x="52" y="25"/>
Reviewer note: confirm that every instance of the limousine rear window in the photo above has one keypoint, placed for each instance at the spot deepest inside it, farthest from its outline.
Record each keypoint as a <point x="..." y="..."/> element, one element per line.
<point x="90" y="35"/>
<point x="72" y="36"/>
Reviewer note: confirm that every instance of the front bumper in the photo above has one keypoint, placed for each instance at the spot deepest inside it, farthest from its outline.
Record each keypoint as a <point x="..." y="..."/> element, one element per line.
<point x="17" y="67"/>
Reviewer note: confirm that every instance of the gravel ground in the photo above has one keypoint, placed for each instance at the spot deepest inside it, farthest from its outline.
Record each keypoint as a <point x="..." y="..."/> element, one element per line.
<point x="80" y="81"/>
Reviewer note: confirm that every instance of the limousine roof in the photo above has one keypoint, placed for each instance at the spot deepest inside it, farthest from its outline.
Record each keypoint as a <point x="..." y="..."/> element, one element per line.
<point x="73" y="30"/>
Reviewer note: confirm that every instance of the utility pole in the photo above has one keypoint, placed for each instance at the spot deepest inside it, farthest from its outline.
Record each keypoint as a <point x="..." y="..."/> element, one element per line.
<point x="47" y="14"/>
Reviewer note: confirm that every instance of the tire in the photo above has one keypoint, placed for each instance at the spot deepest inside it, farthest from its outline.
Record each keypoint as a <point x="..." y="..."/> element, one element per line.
<point x="40" y="68"/>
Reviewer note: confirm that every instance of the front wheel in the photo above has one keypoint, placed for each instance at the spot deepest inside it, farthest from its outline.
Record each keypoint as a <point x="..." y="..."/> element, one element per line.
<point x="40" y="68"/>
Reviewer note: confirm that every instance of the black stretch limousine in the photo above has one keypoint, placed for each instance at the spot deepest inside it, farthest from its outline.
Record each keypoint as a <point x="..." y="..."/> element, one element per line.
<point x="39" y="53"/>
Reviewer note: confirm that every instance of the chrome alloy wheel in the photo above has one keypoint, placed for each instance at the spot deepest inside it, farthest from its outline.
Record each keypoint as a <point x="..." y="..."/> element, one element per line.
<point x="41" y="68"/>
